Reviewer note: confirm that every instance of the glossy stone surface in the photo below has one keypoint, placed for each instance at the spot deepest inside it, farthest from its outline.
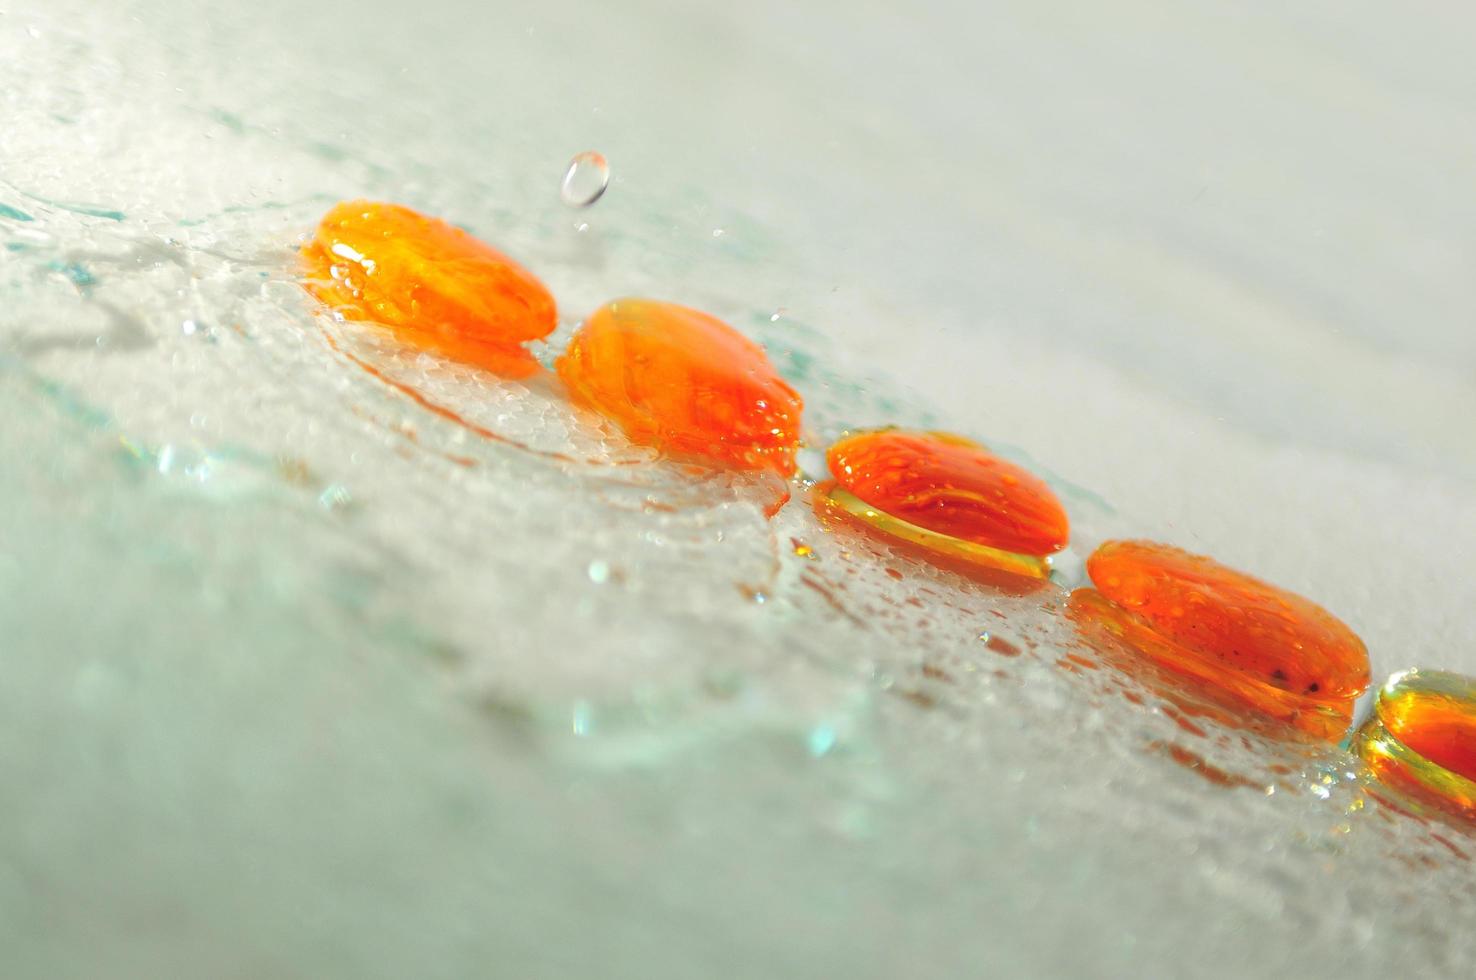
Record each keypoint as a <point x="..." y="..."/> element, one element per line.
<point x="952" y="486"/>
<point x="1273" y="636"/>
<point x="1178" y="672"/>
<point x="1421" y="738"/>
<point x="1020" y="573"/>
<point x="1438" y="724"/>
<point x="686" y="383"/>
<point x="433" y="284"/>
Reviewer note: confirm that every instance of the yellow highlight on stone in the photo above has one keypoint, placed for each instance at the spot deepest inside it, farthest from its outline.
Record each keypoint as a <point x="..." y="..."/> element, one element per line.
<point x="967" y="551"/>
<point x="1421" y="739"/>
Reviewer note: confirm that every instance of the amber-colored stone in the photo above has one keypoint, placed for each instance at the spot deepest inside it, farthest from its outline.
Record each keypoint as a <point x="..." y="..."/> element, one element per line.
<point x="1438" y="724"/>
<point x="686" y="383"/>
<point x="1266" y="633"/>
<point x="845" y="515"/>
<point x="433" y="284"/>
<point x="1421" y="738"/>
<point x="1197" y="682"/>
<point x="953" y="487"/>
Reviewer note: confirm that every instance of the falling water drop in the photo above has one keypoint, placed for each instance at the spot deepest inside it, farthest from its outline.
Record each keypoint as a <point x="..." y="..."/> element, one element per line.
<point x="585" y="180"/>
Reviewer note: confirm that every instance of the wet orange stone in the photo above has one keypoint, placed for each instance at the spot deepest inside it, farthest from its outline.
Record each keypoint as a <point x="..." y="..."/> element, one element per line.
<point x="686" y="383"/>
<point x="433" y="284"/>
<point x="1421" y="738"/>
<point x="951" y="486"/>
<point x="1199" y="683"/>
<point x="1271" y="636"/>
<point x="1442" y="728"/>
<point x="1004" y="572"/>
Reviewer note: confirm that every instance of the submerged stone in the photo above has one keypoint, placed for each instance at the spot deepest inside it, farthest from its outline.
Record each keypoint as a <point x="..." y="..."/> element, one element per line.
<point x="433" y="284"/>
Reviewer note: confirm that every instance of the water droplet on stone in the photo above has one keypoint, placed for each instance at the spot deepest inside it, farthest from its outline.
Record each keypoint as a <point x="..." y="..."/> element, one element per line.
<point x="585" y="180"/>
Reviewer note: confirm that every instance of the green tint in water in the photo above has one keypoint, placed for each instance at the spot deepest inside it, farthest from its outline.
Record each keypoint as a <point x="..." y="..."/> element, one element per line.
<point x="75" y="272"/>
<point x="78" y="207"/>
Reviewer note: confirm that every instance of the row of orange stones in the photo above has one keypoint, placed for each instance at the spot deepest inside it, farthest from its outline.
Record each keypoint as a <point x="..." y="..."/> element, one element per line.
<point x="691" y="386"/>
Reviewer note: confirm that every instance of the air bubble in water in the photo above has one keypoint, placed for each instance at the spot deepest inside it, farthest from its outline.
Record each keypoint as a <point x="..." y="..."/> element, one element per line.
<point x="585" y="180"/>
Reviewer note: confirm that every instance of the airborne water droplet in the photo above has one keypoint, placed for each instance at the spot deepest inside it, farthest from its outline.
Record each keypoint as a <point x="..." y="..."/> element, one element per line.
<point x="585" y="180"/>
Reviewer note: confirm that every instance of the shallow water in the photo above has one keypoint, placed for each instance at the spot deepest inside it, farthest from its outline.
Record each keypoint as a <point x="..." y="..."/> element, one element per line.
<point x="314" y="668"/>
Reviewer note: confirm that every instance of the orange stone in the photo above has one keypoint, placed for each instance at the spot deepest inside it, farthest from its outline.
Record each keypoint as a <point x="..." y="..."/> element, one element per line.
<point x="1421" y="738"/>
<point x="1441" y="726"/>
<point x="431" y="283"/>
<point x="1198" y="683"/>
<point x="686" y="383"/>
<point x="1006" y="572"/>
<point x="953" y="487"/>
<point x="1247" y="626"/>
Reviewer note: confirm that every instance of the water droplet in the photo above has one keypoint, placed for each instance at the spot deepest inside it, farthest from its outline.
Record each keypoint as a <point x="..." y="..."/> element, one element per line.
<point x="599" y="572"/>
<point x="718" y="233"/>
<point x="585" y="180"/>
<point x="777" y="314"/>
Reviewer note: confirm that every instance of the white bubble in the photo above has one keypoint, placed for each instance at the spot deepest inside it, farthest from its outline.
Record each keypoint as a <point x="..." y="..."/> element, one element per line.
<point x="585" y="180"/>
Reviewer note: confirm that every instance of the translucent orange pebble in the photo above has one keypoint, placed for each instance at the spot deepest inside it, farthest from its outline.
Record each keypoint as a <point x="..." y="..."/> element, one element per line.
<point x="949" y="494"/>
<point x="1224" y="623"/>
<point x="1421" y="738"/>
<point x="433" y="284"/>
<point x="686" y="383"/>
<point x="1215" y="691"/>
